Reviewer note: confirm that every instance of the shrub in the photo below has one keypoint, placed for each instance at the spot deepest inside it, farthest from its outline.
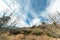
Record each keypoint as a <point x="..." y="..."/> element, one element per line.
<point x="33" y="26"/>
<point x="37" y="33"/>
<point x="43" y="23"/>
<point x="51" y="35"/>
<point x="55" y="24"/>
<point x="26" y="32"/>
<point x="43" y="26"/>
<point x="14" y="32"/>
<point x="48" y="34"/>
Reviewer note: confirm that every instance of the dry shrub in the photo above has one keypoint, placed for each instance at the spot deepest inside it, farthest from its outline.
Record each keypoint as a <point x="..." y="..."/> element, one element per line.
<point x="26" y="32"/>
<point x="33" y="26"/>
<point x="14" y="32"/>
<point x="50" y="35"/>
<point x="36" y="32"/>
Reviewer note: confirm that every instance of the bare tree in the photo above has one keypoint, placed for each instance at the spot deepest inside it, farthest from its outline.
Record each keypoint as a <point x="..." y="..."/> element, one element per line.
<point x="54" y="18"/>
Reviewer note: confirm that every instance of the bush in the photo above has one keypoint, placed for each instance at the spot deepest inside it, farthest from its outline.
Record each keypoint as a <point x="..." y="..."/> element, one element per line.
<point x="37" y="33"/>
<point x="43" y="23"/>
<point x="43" y="26"/>
<point x="48" y="34"/>
<point x="51" y="35"/>
<point x="26" y="32"/>
<point x="33" y="26"/>
<point x="14" y="32"/>
<point x="55" y="24"/>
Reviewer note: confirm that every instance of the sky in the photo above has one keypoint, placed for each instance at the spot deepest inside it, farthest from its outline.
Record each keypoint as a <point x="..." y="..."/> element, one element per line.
<point x="26" y="13"/>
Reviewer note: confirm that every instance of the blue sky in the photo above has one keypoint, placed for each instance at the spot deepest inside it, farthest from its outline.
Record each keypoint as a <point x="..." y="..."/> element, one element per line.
<point x="29" y="12"/>
<point x="36" y="6"/>
<point x="39" y="5"/>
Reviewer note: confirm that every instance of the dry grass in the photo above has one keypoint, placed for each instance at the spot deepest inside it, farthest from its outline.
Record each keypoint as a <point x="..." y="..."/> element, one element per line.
<point x="42" y="32"/>
<point x="24" y="37"/>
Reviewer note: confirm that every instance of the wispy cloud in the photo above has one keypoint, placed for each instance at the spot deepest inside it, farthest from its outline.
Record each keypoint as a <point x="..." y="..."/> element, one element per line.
<point x="30" y="12"/>
<point x="53" y="9"/>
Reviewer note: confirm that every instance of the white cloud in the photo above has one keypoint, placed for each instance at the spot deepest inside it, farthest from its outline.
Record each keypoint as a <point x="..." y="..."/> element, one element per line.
<point x="54" y="7"/>
<point x="36" y="21"/>
<point x="3" y="6"/>
<point x="22" y="9"/>
<point x="52" y="10"/>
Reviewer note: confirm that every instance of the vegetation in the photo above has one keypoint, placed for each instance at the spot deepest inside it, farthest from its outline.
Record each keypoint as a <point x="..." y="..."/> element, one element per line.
<point x="50" y="31"/>
<point x="31" y="33"/>
<point x="14" y="31"/>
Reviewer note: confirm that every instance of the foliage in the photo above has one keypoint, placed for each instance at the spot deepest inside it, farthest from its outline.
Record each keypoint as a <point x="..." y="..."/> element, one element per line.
<point x="26" y="32"/>
<point x="37" y="32"/>
<point x="14" y="31"/>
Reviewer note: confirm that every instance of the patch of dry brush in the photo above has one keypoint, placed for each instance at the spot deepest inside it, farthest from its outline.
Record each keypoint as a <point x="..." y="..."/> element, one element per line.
<point x="41" y="32"/>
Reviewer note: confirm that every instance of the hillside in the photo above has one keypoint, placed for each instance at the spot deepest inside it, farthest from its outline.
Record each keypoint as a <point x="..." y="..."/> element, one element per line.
<point x="41" y="32"/>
